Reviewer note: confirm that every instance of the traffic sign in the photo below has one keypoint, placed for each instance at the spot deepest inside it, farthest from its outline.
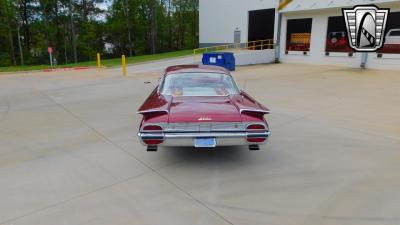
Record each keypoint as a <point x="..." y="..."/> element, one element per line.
<point x="50" y="51"/>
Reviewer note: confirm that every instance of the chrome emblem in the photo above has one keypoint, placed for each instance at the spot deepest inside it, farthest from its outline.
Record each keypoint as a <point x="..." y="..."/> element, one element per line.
<point x="204" y="118"/>
<point x="366" y="27"/>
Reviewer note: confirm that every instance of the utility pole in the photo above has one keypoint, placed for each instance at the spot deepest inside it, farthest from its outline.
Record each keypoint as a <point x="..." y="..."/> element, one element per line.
<point x="21" y="54"/>
<point x="278" y="39"/>
<point x="73" y="31"/>
<point x="153" y="28"/>
<point x="65" y="50"/>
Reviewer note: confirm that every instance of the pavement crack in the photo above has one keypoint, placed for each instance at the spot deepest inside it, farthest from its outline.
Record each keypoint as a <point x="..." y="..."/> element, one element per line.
<point x="73" y="198"/>
<point x="194" y="198"/>
<point x="204" y="205"/>
<point x="7" y="111"/>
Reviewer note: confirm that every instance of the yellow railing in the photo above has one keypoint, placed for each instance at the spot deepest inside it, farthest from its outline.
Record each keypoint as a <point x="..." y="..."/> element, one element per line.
<point x="252" y="45"/>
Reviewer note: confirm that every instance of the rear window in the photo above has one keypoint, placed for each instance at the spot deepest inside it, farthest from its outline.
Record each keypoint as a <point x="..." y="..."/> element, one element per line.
<point x="199" y="84"/>
<point x="394" y="33"/>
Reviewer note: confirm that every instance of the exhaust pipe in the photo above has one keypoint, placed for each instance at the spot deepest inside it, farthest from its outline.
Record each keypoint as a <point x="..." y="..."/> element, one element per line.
<point x="152" y="148"/>
<point x="254" y="147"/>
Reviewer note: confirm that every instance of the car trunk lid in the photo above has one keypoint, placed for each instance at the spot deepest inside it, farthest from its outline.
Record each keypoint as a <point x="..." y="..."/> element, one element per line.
<point x="203" y="109"/>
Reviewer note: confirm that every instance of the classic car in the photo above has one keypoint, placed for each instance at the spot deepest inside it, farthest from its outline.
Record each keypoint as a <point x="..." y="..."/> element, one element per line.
<point x="392" y="42"/>
<point x="201" y="106"/>
<point x="337" y="42"/>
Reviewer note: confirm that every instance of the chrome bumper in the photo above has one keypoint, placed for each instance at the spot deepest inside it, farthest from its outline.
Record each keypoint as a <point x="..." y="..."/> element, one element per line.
<point x="185" y="139"/>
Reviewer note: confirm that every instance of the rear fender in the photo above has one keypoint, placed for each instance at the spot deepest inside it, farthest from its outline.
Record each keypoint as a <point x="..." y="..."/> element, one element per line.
<point x="249" y="108"/>
<point x="251" y="114"/>
<point x="154" y="116"/>
<point x="156" y="108"/>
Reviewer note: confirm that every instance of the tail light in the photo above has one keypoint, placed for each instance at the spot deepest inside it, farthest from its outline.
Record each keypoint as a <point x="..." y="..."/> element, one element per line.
<point x="254" y="131"/>
<point x="152" y="128"/>
<point x="155" y="135"/>
<point x="256" y="127"/>
<point x="153" y="142"/>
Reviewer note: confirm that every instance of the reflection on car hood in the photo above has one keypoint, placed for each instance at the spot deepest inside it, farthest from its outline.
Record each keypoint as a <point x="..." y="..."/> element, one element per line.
<point x="203" y="109"/>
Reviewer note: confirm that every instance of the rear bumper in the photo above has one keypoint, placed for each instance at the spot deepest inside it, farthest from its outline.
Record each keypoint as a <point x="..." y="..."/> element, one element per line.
<point x="222" y="138"/>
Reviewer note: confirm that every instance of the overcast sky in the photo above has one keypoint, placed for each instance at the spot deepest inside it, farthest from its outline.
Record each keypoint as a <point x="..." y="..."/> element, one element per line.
<point x="103" y="6"/>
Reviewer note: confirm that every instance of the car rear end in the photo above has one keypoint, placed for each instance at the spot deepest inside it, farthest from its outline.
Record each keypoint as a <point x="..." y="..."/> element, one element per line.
<point x="204" y="135"/>
<point x="202" y="107"/>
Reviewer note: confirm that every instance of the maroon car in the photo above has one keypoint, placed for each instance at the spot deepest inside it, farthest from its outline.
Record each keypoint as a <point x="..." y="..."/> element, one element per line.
<point x="201" y="106"/>
<point x="337" y="42"/>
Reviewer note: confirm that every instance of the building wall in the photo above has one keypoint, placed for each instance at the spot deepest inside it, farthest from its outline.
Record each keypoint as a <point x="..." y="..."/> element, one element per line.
<point x="318" y="41"/>
<point x="252" y="57"/>
<point x="220" y="18"/>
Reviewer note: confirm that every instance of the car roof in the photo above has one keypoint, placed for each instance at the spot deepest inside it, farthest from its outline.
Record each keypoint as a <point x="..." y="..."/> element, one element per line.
<point x="196" y="68"/>
<point x="393" y="30"/>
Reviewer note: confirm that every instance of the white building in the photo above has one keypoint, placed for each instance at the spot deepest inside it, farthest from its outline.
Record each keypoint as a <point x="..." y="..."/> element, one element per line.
<point x="220" y="18"/>
<point x="311" y="31"/>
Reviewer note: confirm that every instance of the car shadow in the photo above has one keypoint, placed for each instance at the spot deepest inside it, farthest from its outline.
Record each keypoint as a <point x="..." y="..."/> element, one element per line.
<point x="238" y="155"/>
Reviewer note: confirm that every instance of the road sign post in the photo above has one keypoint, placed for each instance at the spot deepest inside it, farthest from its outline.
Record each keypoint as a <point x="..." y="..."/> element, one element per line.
<point x="50" y="51"/>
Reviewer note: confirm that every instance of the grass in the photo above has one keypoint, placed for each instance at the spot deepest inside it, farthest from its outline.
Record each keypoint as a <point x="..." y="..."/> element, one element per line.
<point x="106" y="62"/>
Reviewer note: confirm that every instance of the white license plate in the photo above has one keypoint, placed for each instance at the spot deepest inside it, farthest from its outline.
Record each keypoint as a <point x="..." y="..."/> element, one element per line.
<point x="205" y="143"/>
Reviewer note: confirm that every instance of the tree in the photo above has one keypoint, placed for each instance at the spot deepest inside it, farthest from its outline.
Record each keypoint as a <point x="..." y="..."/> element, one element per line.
<point x="153" y="27"/>
<point x="78" y="29"/>
<point x="8" y="15"/>
<point x="127" y="13"/>
<point x="73" y="34"/>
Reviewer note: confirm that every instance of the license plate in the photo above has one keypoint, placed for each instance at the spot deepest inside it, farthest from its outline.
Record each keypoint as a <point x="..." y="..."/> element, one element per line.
<point x="205" y="143"/>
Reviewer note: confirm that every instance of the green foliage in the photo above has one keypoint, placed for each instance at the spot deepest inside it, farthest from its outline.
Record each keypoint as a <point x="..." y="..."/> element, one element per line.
<point x="131" y="27"/>
<point x="106" y="63"/>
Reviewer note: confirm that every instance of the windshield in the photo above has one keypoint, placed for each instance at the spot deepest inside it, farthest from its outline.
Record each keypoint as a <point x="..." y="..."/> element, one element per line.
<point x="199" y="84"/>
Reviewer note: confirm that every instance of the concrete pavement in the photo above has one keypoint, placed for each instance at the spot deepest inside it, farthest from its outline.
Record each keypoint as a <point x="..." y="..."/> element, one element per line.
<point x="69" y="152"/>
<point x="159" y="65"/>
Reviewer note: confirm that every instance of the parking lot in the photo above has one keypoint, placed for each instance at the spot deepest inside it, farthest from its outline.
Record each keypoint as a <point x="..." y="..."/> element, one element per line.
<point x="69" y="152"/>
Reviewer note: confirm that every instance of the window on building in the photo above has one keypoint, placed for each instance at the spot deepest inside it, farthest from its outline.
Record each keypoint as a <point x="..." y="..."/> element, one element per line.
<point x="336" y="39"/>
<point x="261" y="28"/>
<point x="298" y="35"/>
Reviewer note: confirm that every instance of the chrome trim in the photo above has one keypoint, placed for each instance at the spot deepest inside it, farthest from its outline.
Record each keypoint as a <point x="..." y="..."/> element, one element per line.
<point x="223" y="138"/>
<point x="216" y="135"/>
<point x="255" y="110"/>
<point x="204" y="127"/>
<point x="152" y="111"/>
<point x="151" y="136"/>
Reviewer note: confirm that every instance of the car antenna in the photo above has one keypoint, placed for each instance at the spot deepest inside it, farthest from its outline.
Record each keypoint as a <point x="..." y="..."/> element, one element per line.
<point x="149" y="82"/>
<point x="244" y="89"/>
